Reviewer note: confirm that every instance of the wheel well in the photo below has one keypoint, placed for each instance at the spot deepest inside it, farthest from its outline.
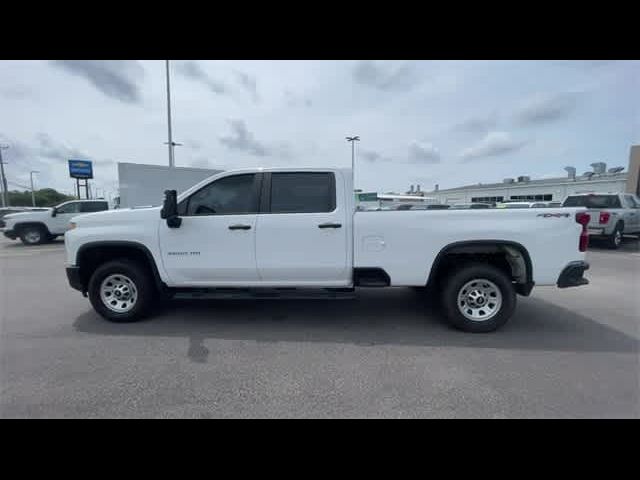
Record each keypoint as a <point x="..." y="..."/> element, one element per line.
<point x="92" y="256"/>
<point x="20" y="226"/>
<point x="510" y="257"/>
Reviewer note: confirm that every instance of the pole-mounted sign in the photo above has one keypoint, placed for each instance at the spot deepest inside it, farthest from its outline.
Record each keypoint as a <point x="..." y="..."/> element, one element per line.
<point x="80" y="169"/>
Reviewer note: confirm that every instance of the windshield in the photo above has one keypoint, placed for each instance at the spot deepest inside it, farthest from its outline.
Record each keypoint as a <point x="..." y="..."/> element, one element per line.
<point x="593" y="201"/>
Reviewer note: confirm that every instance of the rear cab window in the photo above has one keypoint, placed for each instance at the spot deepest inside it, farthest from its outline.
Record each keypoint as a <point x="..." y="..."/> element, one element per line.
<point x="593" y="201"/>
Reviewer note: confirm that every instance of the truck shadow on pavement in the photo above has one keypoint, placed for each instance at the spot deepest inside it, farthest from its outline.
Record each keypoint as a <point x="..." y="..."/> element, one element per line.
<point x="18" y="245"/>
<point x="399" y="317"/>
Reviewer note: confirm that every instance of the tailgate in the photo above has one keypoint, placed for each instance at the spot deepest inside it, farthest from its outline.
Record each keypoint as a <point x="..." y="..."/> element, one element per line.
<point x="595" y="227"/>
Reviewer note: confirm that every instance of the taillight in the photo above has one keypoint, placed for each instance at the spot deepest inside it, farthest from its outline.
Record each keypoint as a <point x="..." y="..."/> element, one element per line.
<point x="583" y="219"/>
<point x="604" y="217"/>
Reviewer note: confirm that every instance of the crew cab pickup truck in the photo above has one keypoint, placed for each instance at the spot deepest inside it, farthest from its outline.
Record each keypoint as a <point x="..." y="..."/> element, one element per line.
<point x="45" y="224"/>
<point x="612" y="215"/>
<point x="282" y="233"/>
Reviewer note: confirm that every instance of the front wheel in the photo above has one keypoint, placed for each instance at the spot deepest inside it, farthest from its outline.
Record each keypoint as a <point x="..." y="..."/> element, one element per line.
<point x="121" y="291"/>
<point x="478" y="298"/>
<point x="34" y="235"/>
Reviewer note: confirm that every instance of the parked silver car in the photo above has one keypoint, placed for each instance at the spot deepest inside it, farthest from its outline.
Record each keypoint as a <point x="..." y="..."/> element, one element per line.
<point x="612" y="215"/>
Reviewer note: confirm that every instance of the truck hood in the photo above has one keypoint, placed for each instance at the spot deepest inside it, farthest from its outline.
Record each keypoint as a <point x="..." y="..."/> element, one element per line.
<point x="34" y="215"/>
<point x="117" y="217"/>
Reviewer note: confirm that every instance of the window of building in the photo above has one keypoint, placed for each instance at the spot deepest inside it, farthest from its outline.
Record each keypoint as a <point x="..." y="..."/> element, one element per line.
<point x="487" y="199"/>
<point x="528" y="198"/>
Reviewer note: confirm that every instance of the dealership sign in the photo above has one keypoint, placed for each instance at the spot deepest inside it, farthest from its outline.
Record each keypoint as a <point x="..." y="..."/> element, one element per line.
<point x="80" y="169"/>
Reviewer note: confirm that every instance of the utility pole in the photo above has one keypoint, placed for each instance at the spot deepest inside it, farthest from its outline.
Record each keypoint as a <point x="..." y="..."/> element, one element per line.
<point x="353" y="141"/>
<point x="33" y="195"/>
<point x="5" y="189"/>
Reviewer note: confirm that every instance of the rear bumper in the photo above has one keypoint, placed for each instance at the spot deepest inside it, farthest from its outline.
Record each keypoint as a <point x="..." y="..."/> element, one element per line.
<point x="75" y="281"/>
<point x="572" y="275"/>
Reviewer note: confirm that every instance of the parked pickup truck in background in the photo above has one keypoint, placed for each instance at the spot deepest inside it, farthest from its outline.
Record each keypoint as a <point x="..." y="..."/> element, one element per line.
<point x="612" y="215"/>
<point x="44" y="224"/>
<point x="283" y="233"/>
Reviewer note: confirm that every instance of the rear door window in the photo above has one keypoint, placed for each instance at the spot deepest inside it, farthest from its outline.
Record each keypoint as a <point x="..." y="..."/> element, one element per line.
<point x="303" y="192"/>
<point x="88" y="207"/>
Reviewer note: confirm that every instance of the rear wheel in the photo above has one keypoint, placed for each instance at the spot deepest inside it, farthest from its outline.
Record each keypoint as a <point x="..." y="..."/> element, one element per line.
<point x="614" y="241"/>
<point x="33" y="235"/>
<point x="478" y="298"/>
<point x="121" y="291"/>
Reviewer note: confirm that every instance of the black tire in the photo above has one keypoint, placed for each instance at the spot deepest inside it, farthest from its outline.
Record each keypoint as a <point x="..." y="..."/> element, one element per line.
<point x="142" y="281"/>
<point x="469" y="272"/>
<point x="33" y="235"/>
<point x="614" y="241"/>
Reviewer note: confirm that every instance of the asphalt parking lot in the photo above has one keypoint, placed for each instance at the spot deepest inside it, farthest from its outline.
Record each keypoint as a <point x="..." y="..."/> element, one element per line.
<point x="570" y="353"/>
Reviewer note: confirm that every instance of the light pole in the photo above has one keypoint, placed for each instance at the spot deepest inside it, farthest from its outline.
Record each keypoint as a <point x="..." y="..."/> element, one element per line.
<point x="5" y="189"/>
<point x="33" y="195"/>
<point x="170" y="142"/>
<point x="353" y="141"/>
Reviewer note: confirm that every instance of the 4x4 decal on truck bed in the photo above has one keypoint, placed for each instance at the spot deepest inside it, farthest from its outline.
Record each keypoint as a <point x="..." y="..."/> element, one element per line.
<point x="555" y="215"/>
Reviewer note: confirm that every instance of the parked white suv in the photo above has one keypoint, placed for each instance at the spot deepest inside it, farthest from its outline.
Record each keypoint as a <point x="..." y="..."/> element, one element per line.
<point x="612" y="215"/>
<point x="42" y="225"/>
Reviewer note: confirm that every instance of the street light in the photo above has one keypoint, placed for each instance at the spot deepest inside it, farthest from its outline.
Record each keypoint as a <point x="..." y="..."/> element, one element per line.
<point x="170" y="143"/>
<point x="353" y="141"/>
<point x="33" y="196"/>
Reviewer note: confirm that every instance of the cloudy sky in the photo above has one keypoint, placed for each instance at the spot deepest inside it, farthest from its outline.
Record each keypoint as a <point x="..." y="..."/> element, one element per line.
<point x="426" y="122"/>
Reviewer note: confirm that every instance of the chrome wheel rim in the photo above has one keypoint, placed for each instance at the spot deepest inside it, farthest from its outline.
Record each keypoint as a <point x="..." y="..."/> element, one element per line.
<point x="32" y="236"/>
<point x="118" y="293"/>
<point x="479" y="300"/>
<point x="617" y="237"/>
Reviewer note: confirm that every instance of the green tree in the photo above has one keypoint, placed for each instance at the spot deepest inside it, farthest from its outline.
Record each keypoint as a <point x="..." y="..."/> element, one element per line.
<point x="45" y="197"/>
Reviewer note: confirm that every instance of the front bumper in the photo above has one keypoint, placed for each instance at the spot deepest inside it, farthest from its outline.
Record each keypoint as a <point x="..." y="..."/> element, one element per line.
<point x="572" y="275"/>
<point x="12" y="234"/>
<point x="75" y="280"/>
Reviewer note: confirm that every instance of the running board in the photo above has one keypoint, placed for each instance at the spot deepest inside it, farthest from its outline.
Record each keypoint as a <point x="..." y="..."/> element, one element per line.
<point x="265" y="293"/>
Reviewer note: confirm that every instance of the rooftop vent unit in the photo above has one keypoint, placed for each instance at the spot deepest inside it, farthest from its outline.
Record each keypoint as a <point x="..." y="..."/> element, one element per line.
<point x="571" y="172"/>
<point x="523" y="178"/>
<point x="599" y="167"/>
<point x="616" y="169"/>
<point x="508" y="180"/>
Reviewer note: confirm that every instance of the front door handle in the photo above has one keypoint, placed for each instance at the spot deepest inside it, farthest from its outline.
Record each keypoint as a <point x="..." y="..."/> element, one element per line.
<point x="239" y="227"/>
<point x="330" y="225"/>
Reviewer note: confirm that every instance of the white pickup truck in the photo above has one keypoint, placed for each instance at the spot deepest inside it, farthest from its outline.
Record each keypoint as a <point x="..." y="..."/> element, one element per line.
<point x="612" y="215"/>
<point x="269" y="233"/>
<point x="41" y="225"/>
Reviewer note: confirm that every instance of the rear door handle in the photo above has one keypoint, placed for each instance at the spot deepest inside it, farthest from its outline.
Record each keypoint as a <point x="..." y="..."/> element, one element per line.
<point x="330" y="225"/>
<point x="239" y="227"/>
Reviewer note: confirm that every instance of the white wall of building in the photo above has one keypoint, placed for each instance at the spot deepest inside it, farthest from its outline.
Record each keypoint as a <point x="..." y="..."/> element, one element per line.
<point x="142" y="185"/>
<point x="559" y="190"/>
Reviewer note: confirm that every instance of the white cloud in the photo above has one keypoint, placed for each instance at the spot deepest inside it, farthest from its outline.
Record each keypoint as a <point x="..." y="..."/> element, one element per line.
<point x="492" y="145"/>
